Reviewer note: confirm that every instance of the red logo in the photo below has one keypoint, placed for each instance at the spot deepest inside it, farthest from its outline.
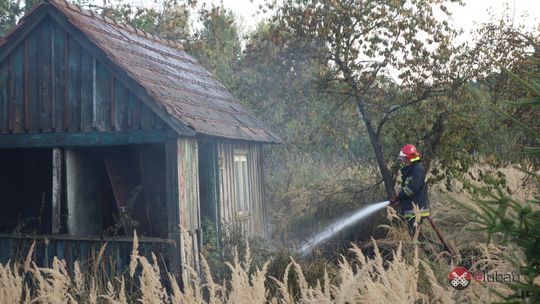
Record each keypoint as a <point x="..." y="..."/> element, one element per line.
<point x="478" y="277"/>
<point x="459" y="278"/>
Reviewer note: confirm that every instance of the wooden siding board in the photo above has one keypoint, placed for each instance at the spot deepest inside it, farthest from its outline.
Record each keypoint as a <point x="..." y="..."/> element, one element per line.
<point x="147" y="118"/>
<point x="188" y="180"/>
<point x="87" y="91"/>
<point x="173" y="205"/>
<point x="223" y="185"/>
<point x="25" y="87"/>
<point x="259" y="189"/>
<point x="9" y="111"/>
<point x="229" y="171"/>
<point x="134" y="109"/>
<point x="74" y="85"/>
<point x="103" y="98"/>
<point x="251" y="184"/>
<point x="45" y="75"/>
<point x="260" y="161"/>
<point x="120" y="105"/>
<point x="158" y="122"/>
<point x="18" y="90"/>
<point x="32" y="85"/>
<point x="59" y="80"/>
<point x="56" y="190"/>
<point x="4" y="84"/>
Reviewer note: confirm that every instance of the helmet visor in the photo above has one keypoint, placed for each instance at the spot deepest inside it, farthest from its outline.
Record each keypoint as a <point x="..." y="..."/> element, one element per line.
<point x="402" y="156"/>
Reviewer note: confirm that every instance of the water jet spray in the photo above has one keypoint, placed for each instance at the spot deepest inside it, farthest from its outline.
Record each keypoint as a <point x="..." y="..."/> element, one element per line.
<point x="341" y="224"/>
<point x="358" y="215"/>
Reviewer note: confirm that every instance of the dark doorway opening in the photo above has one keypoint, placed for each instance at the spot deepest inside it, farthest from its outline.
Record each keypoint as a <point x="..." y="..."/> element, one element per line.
<point x="25" y="190"/>
<point x="90" y="191"/>
<point x="209" y="191"/>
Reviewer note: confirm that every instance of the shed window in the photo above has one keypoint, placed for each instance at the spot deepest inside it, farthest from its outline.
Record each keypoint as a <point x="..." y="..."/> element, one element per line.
<point x="241" y="183"/>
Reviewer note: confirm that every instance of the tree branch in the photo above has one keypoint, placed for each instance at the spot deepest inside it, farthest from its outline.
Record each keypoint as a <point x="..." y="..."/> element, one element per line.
<point x="394" y="108"/>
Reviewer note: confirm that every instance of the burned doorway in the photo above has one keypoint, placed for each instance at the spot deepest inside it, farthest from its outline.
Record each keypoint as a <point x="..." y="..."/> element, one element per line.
<point x="116" y="190"/>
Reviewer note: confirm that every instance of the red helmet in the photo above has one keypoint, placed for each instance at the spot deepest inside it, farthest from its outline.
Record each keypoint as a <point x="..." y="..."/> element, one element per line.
<point x="409" y="152"/>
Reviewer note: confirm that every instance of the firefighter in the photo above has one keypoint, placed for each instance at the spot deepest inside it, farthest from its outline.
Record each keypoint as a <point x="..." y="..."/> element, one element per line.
<point x="414" y="188"/>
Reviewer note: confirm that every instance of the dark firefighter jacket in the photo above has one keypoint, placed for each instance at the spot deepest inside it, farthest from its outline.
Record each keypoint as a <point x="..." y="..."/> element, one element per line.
<point x="413" y="189"/>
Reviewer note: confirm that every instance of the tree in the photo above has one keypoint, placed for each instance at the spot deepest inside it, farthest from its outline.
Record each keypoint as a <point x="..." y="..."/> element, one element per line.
<point x="168" y="19"/>
<point x="508" y="44"/>
<point x="9" y="13"/>
<point x="363" y="43"/>
<point x="217" y="45"/>
<point x="512" y="220"/>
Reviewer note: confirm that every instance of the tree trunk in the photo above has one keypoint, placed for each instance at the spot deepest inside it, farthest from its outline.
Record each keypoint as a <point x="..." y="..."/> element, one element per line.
<point x="377" y="148"/>
<point x="388" y="181"/>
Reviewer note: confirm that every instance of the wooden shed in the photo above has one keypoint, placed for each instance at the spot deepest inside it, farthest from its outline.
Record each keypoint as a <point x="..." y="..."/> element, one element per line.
<point x="105" y="129"/>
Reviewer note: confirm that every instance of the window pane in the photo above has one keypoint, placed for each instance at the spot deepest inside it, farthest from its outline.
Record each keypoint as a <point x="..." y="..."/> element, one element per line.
<point x="241" y="183"/>
<point x="245" y="185"/>
<point x="238" y="192"/>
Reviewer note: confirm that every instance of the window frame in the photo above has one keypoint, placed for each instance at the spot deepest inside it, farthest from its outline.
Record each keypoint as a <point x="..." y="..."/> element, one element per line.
<point x="242" y="187"/>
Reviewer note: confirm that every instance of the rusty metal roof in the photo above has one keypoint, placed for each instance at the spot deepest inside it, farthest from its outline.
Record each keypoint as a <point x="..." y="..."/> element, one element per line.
<point x="176" y="82"/>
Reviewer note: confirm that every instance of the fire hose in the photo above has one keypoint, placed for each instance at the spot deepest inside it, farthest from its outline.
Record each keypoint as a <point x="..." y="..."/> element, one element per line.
<point x="440" y="236"/>
<point x="446" y="247"/>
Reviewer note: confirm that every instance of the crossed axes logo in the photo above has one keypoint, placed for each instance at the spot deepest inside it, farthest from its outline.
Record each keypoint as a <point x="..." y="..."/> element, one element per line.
<point x="459" y="278"/>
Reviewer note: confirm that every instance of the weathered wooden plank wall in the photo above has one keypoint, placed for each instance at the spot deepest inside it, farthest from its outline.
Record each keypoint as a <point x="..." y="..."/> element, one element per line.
<point x="49" y="83"/>
<point x="254" y="224"/>
<point x="188" y="187"/>
<point x="115" y="258"/>
<point x="208" y="185"/>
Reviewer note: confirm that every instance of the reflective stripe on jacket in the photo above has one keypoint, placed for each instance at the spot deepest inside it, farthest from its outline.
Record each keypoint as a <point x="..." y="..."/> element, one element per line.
<point x="410" y="213"/>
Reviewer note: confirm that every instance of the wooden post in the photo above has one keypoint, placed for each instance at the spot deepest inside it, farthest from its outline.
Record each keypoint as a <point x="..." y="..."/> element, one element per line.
<point x="173" y="206"/>
<point x="56" y="190"/>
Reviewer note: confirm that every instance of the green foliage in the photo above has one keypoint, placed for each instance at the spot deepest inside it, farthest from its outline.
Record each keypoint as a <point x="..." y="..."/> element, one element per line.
<point x="10" y="12"/>
<point x="360" y="44"/>
<point x="512" y="220"/>
<point x="217" y="44"/>
<point x="168" y="19"/>
<point x="221" y="249"/>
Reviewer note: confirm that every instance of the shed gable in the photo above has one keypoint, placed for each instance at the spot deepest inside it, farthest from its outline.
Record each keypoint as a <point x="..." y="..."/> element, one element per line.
<point x="160" y="73"/>
<point x="50" y="83"/>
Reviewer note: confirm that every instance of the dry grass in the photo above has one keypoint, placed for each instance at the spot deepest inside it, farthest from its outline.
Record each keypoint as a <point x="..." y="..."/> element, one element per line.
<point x="410" y="274"/>
<point x="406" y="277"/>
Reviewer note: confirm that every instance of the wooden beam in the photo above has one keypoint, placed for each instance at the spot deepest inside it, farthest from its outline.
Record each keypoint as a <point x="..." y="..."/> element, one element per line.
<point x="67" y="237"/>
<point x="173" y="206"/>
<point x="56" y="190"/>
<point x="82" y="139"/>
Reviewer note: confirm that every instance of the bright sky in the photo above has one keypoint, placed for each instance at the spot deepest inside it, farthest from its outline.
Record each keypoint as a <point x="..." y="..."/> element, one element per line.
<point x="474" y="12"/>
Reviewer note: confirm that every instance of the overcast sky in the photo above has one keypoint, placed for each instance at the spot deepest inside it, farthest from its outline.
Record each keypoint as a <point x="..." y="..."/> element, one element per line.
<point x="474" y="11"/>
